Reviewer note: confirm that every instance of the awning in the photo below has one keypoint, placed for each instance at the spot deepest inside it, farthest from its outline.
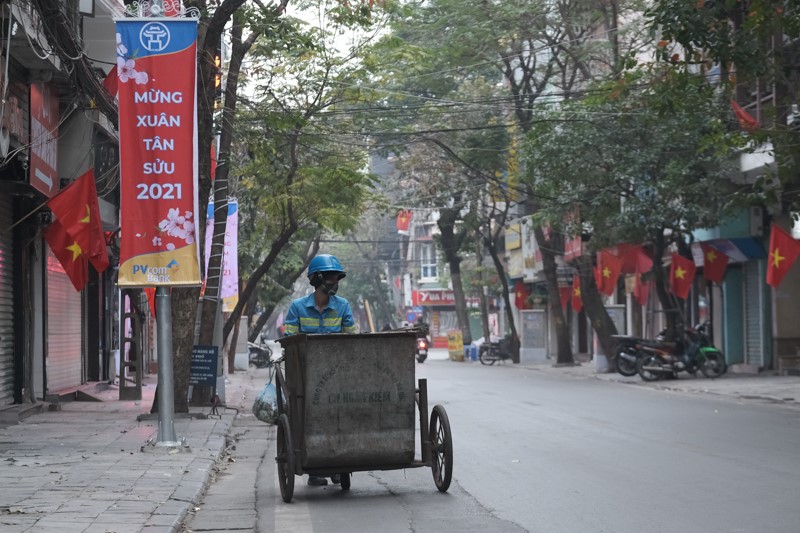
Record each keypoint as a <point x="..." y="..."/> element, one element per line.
<point x="739" y="250"/>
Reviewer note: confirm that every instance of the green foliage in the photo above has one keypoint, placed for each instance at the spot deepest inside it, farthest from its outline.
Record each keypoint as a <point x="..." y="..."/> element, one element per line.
<point x="642" y="160"/>
<point x="729" y="32"/>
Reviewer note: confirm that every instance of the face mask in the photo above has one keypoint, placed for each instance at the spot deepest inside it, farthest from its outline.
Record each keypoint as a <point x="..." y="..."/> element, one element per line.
<point x="330" y="288"/>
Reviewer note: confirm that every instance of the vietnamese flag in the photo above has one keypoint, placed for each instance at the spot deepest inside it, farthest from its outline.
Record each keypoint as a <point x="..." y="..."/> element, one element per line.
<point x="520" y="294"/>
<point x="714" y="263"/>
<point x="609" y="267"/>
<point x="69" y="254"/>
<point x="78" y="212"/>
<point x="111" y="81"/>
<point x="577" y="301"/>
<point x="783" y="251"/>
<point x="746" y="121"/>
<point x="641" y="289"/>
<point x="403" y="221"/>
<point x="681" y="275"/>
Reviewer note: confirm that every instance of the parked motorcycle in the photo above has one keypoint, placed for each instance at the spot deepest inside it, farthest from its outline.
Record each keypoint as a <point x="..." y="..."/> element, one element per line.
<point x="259" y="355"/>
<point x="627" y="354"/>
<point x="493" y="351"/>
<point x="693" y="352"/>
<point x="423" y="345"/>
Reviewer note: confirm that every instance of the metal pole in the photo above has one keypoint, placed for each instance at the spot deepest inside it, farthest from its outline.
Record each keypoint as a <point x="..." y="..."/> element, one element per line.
<point x="166" y="390"/>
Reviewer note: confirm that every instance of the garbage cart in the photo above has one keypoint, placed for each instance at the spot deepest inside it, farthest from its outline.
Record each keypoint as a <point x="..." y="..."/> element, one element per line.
<point x="347" y="403"/>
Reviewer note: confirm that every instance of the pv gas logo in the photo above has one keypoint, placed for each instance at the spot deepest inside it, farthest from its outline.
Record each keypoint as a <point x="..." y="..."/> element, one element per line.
<point x="155" y="274"/>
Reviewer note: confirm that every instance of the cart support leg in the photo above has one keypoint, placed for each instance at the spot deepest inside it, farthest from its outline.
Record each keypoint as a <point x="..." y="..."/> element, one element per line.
<point x="424" y="437"/>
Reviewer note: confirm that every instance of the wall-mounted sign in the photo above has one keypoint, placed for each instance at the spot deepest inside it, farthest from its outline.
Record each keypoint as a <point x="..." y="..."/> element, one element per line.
<point x="44" y="138"/>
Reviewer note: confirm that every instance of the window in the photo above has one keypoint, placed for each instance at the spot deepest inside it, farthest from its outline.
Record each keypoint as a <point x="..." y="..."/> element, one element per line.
<point x="428" y="263"/>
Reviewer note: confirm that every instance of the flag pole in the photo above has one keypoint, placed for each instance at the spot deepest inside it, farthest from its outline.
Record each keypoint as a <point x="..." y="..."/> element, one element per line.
<point x="20" y="221"/>
<point x="166" y="393"/>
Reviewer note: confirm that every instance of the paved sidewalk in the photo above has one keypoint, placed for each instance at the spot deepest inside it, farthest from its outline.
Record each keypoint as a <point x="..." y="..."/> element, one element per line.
<point x="764" y="387"/>
<point x="88" y="468"/>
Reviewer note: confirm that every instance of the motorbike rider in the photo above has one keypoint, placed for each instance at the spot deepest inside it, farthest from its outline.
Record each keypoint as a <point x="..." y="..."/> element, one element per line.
<point x="321" y="312"/>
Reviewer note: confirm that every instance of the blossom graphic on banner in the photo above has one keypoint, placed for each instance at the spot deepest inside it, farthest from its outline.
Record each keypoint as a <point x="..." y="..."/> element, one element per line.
<point x="156" y="66"/>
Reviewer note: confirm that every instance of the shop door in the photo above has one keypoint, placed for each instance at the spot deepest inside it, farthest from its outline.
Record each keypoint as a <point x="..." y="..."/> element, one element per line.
<point x="6" y="305"/>
<point x="753" y="315"/>
<point x="64" y="331"/>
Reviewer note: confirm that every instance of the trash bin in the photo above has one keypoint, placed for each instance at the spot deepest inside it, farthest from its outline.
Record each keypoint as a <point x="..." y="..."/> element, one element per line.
<point x="472" y="352"/>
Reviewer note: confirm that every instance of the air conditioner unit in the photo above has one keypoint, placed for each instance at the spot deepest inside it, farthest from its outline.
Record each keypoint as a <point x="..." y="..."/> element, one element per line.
<point x="756" y="221"/>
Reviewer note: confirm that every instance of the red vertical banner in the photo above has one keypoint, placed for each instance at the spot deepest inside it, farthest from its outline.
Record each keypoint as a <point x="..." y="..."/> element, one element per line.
<point x="156" y="65"/>
<point x="44" y="138"/>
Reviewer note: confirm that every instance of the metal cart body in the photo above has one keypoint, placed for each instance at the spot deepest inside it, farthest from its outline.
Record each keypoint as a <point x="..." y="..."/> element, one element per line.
<point x="347" y="404"/>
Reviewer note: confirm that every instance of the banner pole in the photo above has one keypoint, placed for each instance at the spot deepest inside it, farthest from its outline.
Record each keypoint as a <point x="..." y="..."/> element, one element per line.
<point x="166" y="393"/>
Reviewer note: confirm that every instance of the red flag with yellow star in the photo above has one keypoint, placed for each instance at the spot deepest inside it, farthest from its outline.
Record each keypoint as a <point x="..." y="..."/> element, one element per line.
<point x="577" y="301"/>
<point x="69" y="254"/>
<point x="783" y="251"/>
<point x="520" y="294"/>
<point x="681" y="275"/>
<point x="714" y="263"/>
<point x="609" y="267"/>
<point x="77" y="210"/>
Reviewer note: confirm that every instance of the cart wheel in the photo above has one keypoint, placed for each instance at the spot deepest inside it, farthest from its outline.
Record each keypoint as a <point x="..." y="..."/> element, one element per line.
<point x="344" y="480"/>
<point x="285" y="459"/>
<point x="441" y="448"/>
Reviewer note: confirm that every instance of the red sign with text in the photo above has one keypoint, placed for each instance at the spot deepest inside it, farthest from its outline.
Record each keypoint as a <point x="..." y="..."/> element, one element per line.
<point x="44" y="138"/>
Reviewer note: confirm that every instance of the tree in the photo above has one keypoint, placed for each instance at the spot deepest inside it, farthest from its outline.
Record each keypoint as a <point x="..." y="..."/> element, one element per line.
<point x="753" y="46"/>
<point x="646" y="160"/>
<point x="542" y="52"/>
<point x="295" y="173"/>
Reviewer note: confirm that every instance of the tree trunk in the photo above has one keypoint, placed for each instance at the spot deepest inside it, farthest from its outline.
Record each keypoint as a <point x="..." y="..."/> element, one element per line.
<point x="382" y="308"/>
<point x="211" y="301"/>
<point x="232" y="349"/>
<point x="501" y="274"/>
<point x="483" y="303"/>
<point x="451" y="244"/>
<point x="669" y="303"/>
<point x="595" y="309"/>
<point x="564" y="354"/>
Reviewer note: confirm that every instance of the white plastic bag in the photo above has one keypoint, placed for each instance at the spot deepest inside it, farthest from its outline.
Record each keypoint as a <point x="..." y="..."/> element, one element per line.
<point x="266" y="405"/>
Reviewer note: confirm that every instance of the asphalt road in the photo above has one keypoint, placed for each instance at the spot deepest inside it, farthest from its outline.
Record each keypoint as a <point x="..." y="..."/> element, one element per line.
<point x="542" y="453"/>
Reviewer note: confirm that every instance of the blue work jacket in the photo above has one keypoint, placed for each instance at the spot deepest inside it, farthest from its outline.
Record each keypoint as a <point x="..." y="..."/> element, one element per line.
<point x="304" y="317"/>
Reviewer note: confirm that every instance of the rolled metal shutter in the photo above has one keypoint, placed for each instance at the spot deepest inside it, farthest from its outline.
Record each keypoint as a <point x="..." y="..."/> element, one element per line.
<point x="6" y="304"/>
<point x="64" y="331"/>
<point x="753" y="315"/>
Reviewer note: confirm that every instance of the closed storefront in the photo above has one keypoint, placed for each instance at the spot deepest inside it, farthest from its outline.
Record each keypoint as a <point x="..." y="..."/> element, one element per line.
<point x="64" y="333"/>
<point x="6" y="304"/>
<point x="754" y="309"/>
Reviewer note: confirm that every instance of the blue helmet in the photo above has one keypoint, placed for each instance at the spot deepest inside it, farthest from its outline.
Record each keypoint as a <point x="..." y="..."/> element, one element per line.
<point x="325" y="263"/>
